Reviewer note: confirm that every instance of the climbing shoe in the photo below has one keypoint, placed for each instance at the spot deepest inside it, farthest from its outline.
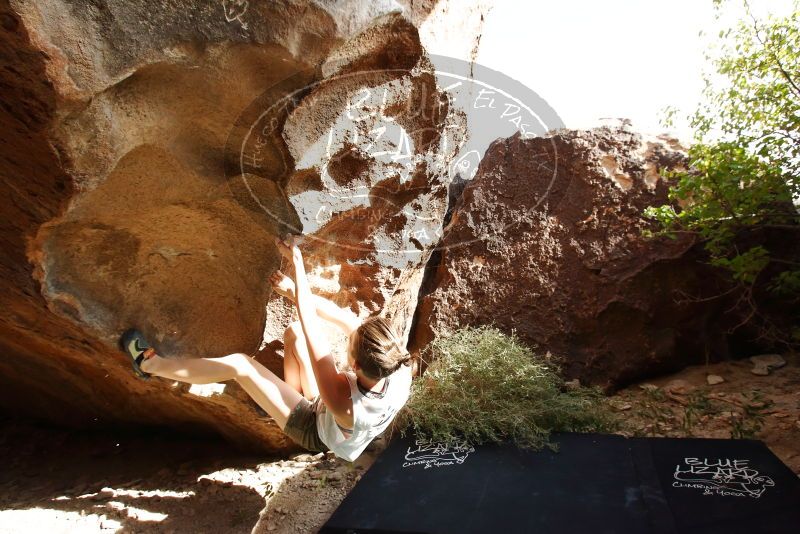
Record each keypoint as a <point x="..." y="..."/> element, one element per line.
<point x="133" y="344"/>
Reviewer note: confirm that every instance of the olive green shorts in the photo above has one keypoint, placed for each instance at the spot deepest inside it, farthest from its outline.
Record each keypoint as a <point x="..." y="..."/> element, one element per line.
<point x="301" y="425"/>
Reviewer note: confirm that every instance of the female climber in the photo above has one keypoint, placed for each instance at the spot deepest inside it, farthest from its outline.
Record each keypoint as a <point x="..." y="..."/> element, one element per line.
<point x="318" y="406"/>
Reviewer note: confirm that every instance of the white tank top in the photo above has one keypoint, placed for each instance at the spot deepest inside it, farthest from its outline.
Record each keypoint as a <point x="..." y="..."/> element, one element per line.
<point x="372" y="413"/>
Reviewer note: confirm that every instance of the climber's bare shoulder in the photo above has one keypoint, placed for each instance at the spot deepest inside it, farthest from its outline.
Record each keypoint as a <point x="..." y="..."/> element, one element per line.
<point x="338" y="401"/>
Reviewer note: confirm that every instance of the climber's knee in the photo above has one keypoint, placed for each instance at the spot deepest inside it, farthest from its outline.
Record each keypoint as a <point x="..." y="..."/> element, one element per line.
<point x="240" y="363"/>
<point x="293" y="332"/>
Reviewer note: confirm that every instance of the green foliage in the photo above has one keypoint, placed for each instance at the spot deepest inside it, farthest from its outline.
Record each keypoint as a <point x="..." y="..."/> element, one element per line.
<point x="698" y="404"/>
<point x="745" y="166"/>
<point x="655" y="410"/>
<point x="486" y="386"/>
<point x="748" y="423"/>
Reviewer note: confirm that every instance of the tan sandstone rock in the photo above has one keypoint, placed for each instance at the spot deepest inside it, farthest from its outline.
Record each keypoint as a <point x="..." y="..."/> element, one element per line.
<point x="136" y="195"/>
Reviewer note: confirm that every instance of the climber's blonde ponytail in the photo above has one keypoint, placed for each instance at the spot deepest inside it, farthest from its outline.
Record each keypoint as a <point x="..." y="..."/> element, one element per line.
<point x="378" y="349"/>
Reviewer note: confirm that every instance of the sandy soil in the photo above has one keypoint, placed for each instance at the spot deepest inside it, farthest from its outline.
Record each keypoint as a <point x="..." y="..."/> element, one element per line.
<point x="65" y="481"/>
<point x="743" y="406"/>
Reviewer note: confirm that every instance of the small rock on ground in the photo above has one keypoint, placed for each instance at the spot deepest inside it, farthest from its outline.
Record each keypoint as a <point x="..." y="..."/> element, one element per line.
<point x="713" y="380"/>
<point x="678" y="386"/>
<point x="764" y="363"/>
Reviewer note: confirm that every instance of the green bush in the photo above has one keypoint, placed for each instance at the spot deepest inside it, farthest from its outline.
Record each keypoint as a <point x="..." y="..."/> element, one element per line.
<point x="743" y="184"/>
<point x="486" y="386"/>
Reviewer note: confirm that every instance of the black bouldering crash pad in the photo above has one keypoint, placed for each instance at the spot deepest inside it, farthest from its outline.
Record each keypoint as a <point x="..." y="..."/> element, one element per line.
<point x="594" y="483"/>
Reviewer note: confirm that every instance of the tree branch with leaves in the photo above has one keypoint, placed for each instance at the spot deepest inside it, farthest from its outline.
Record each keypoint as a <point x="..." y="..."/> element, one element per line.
<point x="744" y="175"/>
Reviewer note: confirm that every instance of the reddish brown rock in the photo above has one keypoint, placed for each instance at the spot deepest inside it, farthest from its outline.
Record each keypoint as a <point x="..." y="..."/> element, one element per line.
<point x="124" y="201"/>
<point x="547" y="241"/>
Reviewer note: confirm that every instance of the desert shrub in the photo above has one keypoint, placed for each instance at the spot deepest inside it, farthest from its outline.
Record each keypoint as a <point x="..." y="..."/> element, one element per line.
<point x="486" y="386"/>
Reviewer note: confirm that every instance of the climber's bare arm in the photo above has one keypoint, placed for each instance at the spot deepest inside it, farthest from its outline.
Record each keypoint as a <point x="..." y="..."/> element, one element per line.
<point x="333" y="385"/>
<point x="343" y="318"/>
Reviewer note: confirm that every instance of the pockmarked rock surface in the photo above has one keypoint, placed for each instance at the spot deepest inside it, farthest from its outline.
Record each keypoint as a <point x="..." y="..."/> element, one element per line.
<point x="150" y="154"/>
<point x="547" y="241"/>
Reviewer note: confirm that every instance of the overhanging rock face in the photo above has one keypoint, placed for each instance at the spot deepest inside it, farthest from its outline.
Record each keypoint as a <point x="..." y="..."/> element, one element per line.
<point x="152" y="155"/>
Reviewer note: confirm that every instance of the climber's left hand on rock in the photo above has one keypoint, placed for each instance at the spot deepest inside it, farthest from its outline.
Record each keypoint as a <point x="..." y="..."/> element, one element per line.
<point x="289" y="249"/>
<point x="283" y="285"/>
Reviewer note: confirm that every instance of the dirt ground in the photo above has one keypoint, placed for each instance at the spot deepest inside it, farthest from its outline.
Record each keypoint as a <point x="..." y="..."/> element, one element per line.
<point x="66" y="481"/>
<point x="58" y="481"/>
<point x="743" y="406"/>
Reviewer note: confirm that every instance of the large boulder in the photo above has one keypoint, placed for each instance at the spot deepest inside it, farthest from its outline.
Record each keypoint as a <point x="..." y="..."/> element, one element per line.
<point x="152" y="152"/>
<point x="547" y="241"/>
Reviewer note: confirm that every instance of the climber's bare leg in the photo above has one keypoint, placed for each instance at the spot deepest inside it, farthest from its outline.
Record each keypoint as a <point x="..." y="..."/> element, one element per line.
<point x="274" y="395"/>
<point x="295" y="348"/>
<point x="291" y="371"/>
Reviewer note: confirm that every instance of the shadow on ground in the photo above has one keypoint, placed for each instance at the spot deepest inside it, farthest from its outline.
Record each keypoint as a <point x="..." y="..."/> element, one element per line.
<point x="124" y="482"/>
<point x="58" y="480"/>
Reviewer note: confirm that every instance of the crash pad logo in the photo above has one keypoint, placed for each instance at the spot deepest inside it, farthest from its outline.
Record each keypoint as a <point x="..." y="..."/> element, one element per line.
<point x="721" y="476"/>
<point x="437" y="453"/>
